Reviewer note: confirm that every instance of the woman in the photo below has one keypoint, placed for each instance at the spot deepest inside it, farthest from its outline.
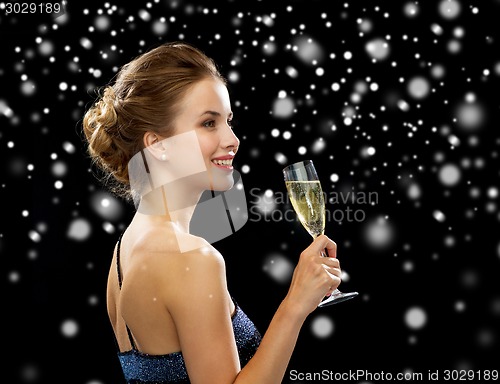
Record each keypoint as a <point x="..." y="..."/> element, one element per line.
<point x="172" y="315"/>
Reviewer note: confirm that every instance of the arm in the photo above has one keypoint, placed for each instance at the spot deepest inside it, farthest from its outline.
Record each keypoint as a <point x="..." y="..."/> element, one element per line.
<point x="204" y="326"/>
<point x="313" y="278"/>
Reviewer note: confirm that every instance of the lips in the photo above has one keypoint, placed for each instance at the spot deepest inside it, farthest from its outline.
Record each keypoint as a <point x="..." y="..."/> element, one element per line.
<point x="225" y="162"/>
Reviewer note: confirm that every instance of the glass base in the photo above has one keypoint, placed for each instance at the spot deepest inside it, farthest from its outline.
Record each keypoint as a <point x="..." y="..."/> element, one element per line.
<point x="337" y="297"/>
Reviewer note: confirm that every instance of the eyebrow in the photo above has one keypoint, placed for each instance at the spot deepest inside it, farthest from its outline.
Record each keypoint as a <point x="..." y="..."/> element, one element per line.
<point x="214" y="113"/>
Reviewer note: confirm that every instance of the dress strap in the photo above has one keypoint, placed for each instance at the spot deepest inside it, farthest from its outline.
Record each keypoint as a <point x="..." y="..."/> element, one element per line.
<point x="118" y="269"/>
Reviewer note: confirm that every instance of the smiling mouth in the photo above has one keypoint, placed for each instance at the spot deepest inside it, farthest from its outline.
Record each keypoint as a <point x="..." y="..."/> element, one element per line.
<point x="227" y="163"/>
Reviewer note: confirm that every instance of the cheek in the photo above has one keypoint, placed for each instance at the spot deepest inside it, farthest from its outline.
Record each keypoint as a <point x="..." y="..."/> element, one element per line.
<point x="208" y="146"/>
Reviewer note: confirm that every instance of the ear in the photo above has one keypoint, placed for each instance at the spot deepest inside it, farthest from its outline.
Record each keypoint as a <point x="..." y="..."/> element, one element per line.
<point x="153" y="143"/>
<point x="150" y="138"/>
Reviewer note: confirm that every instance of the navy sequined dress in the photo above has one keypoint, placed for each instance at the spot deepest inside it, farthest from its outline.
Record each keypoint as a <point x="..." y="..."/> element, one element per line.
<point x="142" y="368"/>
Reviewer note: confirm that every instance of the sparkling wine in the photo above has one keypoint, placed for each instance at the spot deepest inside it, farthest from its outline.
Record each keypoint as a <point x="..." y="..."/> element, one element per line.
<point x="308" y="202"/>
<point x="305" y="193"/>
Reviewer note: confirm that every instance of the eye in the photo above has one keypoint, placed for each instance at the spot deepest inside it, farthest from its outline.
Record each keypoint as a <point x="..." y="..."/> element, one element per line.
<point x="209" y="124"/>
<point x="230" y="123"/>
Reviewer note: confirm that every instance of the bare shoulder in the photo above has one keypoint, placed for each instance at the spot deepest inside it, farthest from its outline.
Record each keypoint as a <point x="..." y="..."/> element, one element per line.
<point x="180" y="256"/>
<point x="166" y="243"/>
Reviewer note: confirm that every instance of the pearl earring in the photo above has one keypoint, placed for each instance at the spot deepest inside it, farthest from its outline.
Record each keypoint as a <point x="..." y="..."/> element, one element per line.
<point x="163" y="157"/>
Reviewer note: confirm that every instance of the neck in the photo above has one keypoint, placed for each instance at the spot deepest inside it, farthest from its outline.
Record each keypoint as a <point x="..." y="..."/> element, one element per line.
<point x="170" y="203"/>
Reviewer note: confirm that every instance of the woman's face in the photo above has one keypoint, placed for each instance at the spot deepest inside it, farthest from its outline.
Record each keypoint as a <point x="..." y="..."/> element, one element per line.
<point x="206" y="109"/>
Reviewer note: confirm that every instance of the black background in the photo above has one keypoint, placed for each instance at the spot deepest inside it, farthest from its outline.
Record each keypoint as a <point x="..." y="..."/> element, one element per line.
<point x="446" y="269"/>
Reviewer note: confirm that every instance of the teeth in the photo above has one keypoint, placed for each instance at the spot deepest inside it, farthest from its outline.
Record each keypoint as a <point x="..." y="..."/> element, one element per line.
<point x="223" y="162"/>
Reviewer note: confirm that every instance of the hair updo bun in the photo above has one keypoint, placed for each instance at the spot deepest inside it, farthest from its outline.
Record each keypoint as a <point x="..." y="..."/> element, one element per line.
<point x="99" y="125"/>
<point x="145" y="97"/>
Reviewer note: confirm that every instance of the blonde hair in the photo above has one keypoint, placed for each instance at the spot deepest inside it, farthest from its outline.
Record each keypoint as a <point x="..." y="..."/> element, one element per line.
<point x="145" y="97"/>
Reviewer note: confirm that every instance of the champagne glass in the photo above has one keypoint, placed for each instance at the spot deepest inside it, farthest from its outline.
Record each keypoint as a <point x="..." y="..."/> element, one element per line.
<point x="306" y="195"/>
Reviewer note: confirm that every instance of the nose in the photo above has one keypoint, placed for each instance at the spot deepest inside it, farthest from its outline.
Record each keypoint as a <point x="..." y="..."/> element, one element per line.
<point x="229" y="139"/>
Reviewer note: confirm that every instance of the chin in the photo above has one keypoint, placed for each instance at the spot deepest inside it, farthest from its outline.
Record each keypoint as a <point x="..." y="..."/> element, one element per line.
<point x="222" y="181"/>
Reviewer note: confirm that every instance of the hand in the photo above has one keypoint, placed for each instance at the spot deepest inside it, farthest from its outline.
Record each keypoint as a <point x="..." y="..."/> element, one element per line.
<point x="315" y="276"/>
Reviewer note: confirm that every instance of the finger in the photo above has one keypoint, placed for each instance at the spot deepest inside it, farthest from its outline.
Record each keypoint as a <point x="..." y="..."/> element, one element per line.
<point x="331" y="248"/>
<point x="334" y="284"/>
<point x="324" y="244"/>
<point x="337" y="272"/>
<point x="333" y="270"/>
<point x="330" y="262"/>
